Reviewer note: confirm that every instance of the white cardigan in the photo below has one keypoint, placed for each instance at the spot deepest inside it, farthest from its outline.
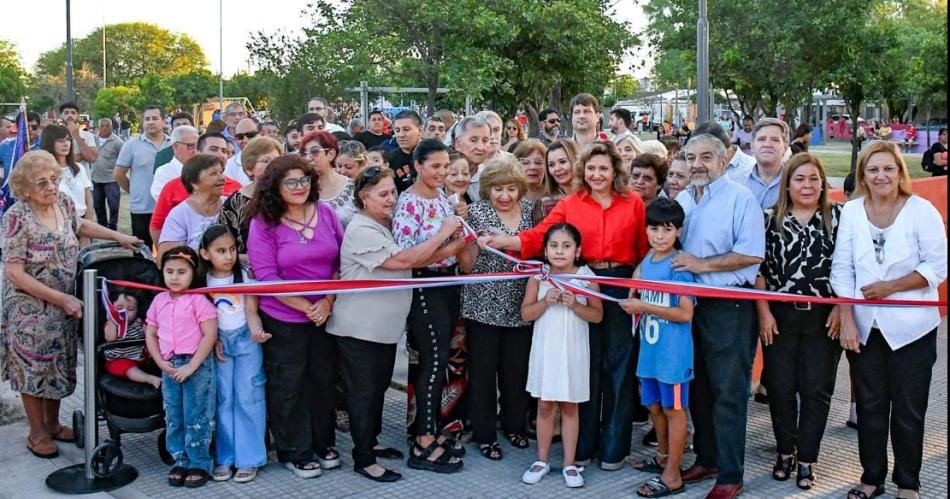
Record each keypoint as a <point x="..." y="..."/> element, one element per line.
<point x="917" y="242"/>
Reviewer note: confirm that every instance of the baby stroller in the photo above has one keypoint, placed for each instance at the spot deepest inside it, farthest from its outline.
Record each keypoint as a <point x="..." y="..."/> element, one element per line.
<point x="124" y="405"/>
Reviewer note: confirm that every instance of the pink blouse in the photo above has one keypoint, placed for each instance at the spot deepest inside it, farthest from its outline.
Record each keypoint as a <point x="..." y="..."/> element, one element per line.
<point x="179" y="322"/>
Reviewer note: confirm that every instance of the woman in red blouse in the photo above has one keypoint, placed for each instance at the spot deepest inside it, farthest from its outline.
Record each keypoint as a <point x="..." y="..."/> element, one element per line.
<point x="612" y="223"/>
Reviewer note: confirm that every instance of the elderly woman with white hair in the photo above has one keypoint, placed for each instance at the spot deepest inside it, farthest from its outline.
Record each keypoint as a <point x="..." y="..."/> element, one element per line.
<point x="38" y="334"/>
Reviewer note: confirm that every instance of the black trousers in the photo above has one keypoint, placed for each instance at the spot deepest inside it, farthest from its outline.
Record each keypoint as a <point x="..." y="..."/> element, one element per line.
<point x="802" y="361"/>
<point x="605" y="426"/>
<point x="300" y="362"/>
<point x="367" y="371"/>
<point x="140" y="223"/>
<point x="892" y="388"/>
<point x="432" y="319"/>
<point x="724" y="341"/>
<point x="497" y="352"/>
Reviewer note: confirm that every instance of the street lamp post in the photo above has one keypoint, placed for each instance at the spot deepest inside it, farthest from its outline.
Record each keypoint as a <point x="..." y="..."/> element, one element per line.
<point x="221" y="57"/>
<point x="70" y="95"/>
<point x="702" y="65"/>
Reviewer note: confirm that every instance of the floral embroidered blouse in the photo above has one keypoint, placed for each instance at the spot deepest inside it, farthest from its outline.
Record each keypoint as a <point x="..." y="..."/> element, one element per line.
<point x="417" y="219"/>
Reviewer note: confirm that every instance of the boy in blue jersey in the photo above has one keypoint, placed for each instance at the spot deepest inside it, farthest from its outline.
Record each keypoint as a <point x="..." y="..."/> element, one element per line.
<point x="665" y="364"/>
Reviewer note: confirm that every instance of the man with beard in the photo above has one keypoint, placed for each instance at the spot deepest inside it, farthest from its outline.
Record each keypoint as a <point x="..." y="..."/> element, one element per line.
<point x="407" y="130"/>
<point x="723" y="245"/>
<point x="84" y="141"/>
<point x="550" y="124"/>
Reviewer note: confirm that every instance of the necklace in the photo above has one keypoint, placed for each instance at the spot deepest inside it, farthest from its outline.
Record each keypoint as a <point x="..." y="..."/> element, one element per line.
<point x="886" y="222"/>
<point x="302" y="230"/>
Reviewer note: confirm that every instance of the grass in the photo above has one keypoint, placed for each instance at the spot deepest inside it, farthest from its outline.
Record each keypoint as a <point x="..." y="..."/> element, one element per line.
<point x="839" y="165"/>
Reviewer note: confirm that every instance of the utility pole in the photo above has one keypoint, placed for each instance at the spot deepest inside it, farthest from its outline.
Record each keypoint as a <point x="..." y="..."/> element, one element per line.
<point x="70" y="93"/>
<point x="103" y="53"/>
<point x="221" y="57"/>
<point x="702" y="65"/>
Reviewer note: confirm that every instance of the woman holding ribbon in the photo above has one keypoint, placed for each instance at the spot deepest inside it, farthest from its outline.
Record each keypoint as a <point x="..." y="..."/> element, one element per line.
<point x="891" y="245"/>
<point x="801" y="339"/>
<point x="499" y="340"/>
<point x="419" y="215"/>
<point x="612" y="223"/>
<point x="294" y="236"/>
<point x="367" y="342"/>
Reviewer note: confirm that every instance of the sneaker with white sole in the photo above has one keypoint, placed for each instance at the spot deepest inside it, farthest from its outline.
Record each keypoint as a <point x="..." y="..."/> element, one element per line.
<point x="329" y="458"/>
<point x="574" y="480"/>
<point x="244" y="475"/>
<point x="221" y="473"/>
<point x="304" y="469"/>
<point x="536" y="472"/>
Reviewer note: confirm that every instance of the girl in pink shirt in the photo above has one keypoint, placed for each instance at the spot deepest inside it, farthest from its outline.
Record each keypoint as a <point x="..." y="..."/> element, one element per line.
<point x="180" y="333"/>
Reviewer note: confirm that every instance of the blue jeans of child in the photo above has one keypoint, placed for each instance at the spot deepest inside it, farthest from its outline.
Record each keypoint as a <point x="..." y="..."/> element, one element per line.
<point x="189" y="412"/>
<point x="242" y="409"/>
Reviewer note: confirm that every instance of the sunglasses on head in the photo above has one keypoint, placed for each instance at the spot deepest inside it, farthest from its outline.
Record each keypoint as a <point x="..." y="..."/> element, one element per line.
<point x="247" y="135"/>
<point x="366" y="175"/>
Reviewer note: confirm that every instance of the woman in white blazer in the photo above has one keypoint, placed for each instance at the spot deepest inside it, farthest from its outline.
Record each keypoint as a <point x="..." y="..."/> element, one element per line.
<point x="891" y="244"/>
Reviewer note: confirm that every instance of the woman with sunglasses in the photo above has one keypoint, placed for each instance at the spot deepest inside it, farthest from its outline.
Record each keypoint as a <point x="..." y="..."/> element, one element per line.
<point x="294" y="236"/>
<point x="514" y="133"/>
<point x="367" y="342"/>
<point x="321" y="149"/>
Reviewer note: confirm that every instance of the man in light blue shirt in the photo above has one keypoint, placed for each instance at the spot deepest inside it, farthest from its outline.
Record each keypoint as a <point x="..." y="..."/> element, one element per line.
<point x="134" y="169"/>
<point x="769" y="143"/>
<point x="723" y="244"/>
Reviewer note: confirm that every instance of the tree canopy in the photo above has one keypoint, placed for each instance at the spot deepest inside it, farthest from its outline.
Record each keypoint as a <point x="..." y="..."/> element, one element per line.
<point x="12" y="75"/>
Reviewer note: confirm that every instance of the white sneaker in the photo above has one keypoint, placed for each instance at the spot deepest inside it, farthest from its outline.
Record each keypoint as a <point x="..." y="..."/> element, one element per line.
<point x="536" y="472"/>
<point x="330" y="459"/>
<point x="305" y="469"/>
<point x="573" y="480"/>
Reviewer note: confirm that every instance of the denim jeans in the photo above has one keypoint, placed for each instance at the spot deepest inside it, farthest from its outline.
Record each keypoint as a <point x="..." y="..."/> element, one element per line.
<point x="189" y="414"/>
<point x="106" y="195"/>
<point x="242" y="408"/>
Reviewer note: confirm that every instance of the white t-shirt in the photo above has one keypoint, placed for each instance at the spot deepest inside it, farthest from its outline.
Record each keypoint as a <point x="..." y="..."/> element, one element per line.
<point x="75" y="187"/>
<point x="165" y="174"/>
<point x="235" y="171"/>
<point x="90" y="139"/>
<point x="230" y="307"/>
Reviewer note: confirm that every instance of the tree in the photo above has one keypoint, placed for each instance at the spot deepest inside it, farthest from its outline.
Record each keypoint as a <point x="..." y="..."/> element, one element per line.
<point x="118" y="99"/>
<point x="133" y="50"/>
<point x="192" y="88"/>
<point x="12" y="75"/>
<point x="46" y="92"/>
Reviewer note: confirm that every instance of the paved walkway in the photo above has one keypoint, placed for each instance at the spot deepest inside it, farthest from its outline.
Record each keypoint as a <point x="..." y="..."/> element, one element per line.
<point x="838" y="470"/>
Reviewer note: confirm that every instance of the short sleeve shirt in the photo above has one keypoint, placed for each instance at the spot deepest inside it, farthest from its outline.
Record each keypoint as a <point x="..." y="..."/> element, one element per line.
<point x="138" y="154"/>
<point x="367" y="244"/>
<point x="103" y="168"/>
<point x="75" y="186"/>
<point x="417" y="219"/>
<point x="179" y="322"/>
<point x="231" y="308"/>
<point x="185" y="224"/>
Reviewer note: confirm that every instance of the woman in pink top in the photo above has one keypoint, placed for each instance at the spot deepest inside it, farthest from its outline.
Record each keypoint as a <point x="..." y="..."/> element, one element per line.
<point x="180" y="332"/>
<point x="294" y="236"/>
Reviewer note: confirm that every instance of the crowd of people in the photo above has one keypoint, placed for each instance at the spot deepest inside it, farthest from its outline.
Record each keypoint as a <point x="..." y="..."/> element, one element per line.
<point x="441" y="197"/>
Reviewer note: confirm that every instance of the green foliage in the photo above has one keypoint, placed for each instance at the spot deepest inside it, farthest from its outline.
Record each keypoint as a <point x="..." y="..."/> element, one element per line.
<point x="47" y="92"/>
<point x="126" y="101"/>
<point x="12" y="75"/>
<point x="133" y="50"/>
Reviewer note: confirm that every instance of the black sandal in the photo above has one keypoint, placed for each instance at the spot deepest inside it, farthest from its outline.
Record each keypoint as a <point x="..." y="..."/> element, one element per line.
<point x="518" y="440"/>
<point x="859" y="494"/>
<point x="452" y="446"/>
<point x="491" y="451"/>
<point x="805" y="474"/>
<point x="176" y="477"/>
<point x="652" y="465"/>
<point x="782" y="469"/>
<point x="655" y="487"/>
<point x="196" y="478"/>
<point x="445" y="463"/>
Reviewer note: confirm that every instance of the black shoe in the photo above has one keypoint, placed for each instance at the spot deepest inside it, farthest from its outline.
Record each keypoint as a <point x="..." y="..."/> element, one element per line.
<point x="388" y="453"/>
<point x="761" y="398"/>
<point x="649" y="440"/>
<point x="387" y="476"/>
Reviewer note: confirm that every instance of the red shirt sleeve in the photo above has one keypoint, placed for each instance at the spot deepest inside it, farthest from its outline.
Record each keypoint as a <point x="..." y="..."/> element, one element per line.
<point x="532" y="240"/>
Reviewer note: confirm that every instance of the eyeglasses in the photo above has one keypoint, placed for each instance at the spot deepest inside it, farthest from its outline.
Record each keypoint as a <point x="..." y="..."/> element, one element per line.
<point x="246" y="135"/>
<point x="554" y="121"/>
<point x="34" y="127"/>
<point x="312" y="152"/>
<point x="297" y="183"/>
<point x="189" y="147"/>
<point x="512" y="128"/>
<point x="366" y="175"/>
<point x="46" y="184"/>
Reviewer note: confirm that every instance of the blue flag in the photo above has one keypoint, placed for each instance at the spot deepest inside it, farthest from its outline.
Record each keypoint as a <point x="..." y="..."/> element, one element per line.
<point x="21" y="144"/>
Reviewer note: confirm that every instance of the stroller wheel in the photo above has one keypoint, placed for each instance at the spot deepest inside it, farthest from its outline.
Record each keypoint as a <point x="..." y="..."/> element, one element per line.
<point x="79" y="428"/>
<point x="106" y="459"/>
<point x="163" y="450"/>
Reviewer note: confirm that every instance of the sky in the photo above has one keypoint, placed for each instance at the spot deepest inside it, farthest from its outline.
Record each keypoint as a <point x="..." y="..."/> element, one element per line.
<point x="23" y="20"/>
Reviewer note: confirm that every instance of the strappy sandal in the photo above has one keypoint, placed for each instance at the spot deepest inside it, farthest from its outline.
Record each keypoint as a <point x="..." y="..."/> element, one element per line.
<point x="196" y="477"/>
<point x="652" y="465"/>
<point x="445" y="463"/>
<point x="782" y="469"/>
<point x="176" y="477"/>
<point x="45" y="448"/>
<point x="805" y="478"/>
<point x="491" y="451"/>
<point x="518" y="440"/>
<point x="655" y="487"/>
<point x="857" y="493"/>
<point x="451" y="445"/>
